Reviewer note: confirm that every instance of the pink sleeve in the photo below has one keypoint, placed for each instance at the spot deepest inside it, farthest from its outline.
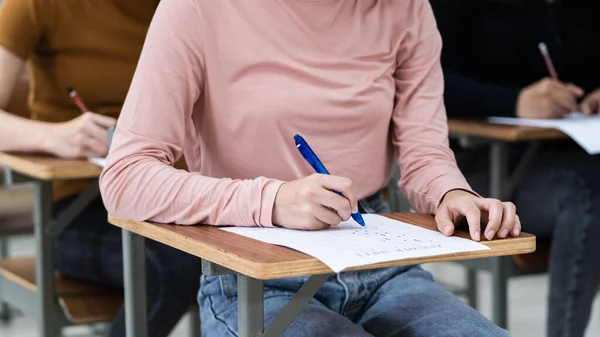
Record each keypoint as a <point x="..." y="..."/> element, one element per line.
<point x="427" y="165"/>
<point x="139" y="181"/>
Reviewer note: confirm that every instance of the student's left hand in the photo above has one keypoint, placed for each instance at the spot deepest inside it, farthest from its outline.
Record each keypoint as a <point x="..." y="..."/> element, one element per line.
<point x="457" y="204"/>
<point x="591" y="103"/>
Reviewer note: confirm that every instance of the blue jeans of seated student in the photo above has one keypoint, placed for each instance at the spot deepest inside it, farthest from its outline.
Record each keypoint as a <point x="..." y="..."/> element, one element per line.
<point x="90" y="250"/>
<point x="558" y="198"/>
<point x="402" y="301"/>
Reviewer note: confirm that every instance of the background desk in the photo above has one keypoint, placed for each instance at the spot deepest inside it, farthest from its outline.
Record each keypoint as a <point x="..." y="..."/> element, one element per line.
<point x="502" y="185"/>
<point x="498" y="132"/>
<point x="254" y="261"/>
<point x="42" y="168"/>
<point x="30" y="283"/>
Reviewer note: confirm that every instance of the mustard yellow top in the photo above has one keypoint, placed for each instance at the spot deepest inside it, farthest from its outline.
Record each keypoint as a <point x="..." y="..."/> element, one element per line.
<point x="91" y="45"/>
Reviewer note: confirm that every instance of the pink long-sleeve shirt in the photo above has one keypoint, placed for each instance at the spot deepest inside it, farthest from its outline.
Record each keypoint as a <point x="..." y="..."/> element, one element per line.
<point x="228" y="83"/>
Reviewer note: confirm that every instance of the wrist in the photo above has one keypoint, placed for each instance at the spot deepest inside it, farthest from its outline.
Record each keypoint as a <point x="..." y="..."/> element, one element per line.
<point x="269" y="216"/>
<point x="457" y="192"/>
<point x="517" y="106"/>
<point x="45" y="137"/>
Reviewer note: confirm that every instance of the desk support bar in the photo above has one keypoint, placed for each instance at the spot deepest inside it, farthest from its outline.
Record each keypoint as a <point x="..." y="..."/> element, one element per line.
<point x="8" y="177"/>
<point x="251" y="313"/>
<point x="84" y="199"/>
<point x="47" y="318"/>
<point x="12" y="177"/>
<point x="5" y="312"/>
<point x="134" y="269"/>
<point x="498" y="169"/>
<point x="296" y="304"/>
<point x="213" y="269"/>
<point x="498" y="177"/>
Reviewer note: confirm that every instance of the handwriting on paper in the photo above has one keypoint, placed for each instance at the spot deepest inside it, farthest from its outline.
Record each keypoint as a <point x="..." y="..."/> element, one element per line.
<point x="350" y="245"/>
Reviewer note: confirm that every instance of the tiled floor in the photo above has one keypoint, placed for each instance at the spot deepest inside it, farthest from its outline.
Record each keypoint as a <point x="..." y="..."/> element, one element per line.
<point x="527" y="304"/>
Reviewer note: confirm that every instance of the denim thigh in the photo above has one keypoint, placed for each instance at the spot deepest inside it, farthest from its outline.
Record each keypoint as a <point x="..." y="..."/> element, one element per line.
<point x="409" y="303"/>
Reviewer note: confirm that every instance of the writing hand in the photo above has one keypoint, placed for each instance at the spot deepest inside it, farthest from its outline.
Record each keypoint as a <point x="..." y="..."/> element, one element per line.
<point x="309" y="203"/>
<point x="81" y="137"/>
<point x="548" y="98"/>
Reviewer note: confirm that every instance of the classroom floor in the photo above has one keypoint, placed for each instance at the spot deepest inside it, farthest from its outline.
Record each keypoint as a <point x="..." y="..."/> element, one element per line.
<point x="527" y="303"/>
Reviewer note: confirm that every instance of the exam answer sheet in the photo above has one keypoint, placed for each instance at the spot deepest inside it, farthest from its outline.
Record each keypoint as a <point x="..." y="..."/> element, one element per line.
<point x="100" y="161"/>
<point x="585" y="130"/>
<point x="351" y="245"/>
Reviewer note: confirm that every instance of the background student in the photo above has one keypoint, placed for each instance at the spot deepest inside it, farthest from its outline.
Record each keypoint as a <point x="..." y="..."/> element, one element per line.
<point x="359" y="79"/>
<point x="492" y="67"/>
<point x="92" y="45"/>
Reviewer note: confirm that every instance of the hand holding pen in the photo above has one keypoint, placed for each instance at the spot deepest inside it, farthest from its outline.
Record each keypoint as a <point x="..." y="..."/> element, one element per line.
<point x="308" y="203"/>
<point x="80" y="137"/>
<point x="318" y="201"/>
<point x="549" y="97"/>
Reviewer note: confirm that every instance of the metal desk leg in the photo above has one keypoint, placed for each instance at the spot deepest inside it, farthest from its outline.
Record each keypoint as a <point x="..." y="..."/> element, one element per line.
<point x="498" y="170"/>
<point x="498" y="179"/>
<point x="251" y="314"/>
<point x="5" y="314"/>
<point x="308" y="290"/>
<point x="48" y="321"/>
<point x="8" y="177"/>
<point x="472" y="290"/>
<point x="134" y="269"/>
<point x="500" y="290"/>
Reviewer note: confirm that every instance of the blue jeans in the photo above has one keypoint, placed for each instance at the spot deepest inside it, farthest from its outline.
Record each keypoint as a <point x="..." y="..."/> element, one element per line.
<point x="558" y="198"/>
<point x="400" y="301"/>
<point x="90" y="250"/>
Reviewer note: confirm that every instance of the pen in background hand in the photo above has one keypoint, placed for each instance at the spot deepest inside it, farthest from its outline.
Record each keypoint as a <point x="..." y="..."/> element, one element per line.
<point x="78" y="101"/>
<point x="316" y="164"/>
<point x="548" y="60"/>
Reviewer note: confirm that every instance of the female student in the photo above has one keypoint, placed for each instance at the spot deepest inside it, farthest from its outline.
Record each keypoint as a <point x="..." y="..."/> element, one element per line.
<point x="94" y="46"/>
<point x="228" y="83"/>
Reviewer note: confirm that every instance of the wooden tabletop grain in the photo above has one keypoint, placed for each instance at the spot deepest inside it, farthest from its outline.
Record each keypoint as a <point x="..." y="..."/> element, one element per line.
<point x="510" y="133"/>
<point x="49" y="168"/>
<point x="265" y="261"/>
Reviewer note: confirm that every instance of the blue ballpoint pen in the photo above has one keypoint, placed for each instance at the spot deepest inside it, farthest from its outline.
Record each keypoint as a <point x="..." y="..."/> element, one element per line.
<point x="316" y="164"/>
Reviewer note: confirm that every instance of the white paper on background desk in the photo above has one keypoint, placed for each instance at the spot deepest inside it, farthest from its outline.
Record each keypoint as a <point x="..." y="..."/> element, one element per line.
<point x="585" y="130"/>
<point x="350" y="245"/>
<point x="98" y="161"/>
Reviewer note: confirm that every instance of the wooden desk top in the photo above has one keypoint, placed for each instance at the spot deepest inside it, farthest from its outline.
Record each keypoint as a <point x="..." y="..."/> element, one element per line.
<point x="511" y="133"/>
<point x="265" y="261"/>
<point x="49" y="168"/>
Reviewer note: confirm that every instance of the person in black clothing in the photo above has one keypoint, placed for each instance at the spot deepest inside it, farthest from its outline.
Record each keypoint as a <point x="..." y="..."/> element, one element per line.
<point x="492" y="67"/>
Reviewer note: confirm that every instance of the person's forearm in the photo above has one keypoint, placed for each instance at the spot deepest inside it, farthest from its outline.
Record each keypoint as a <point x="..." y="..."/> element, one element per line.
<point x="465" y="97"/>
<point x="22" y="135"/>
<point x="139" y="183"/>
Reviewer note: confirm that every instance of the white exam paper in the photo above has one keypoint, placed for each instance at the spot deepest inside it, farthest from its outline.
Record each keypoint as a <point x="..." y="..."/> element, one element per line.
<point x="350" y="245"/>
<point x="98" y="161"/>
<point x="585" y="130"/>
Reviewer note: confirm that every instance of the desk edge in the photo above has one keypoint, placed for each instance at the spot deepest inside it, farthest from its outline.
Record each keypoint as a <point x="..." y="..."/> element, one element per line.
<point x="312" y="266"/>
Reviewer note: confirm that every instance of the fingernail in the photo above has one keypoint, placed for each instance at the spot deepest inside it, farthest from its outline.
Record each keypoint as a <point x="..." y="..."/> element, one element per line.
<point x="503" y="233"/>
<point x="518" y="231"/>
<point x="477" y="236"/>
<point x="448" y="229"/>
<point x="490" y="234"/>
<point x="355" y="209"/>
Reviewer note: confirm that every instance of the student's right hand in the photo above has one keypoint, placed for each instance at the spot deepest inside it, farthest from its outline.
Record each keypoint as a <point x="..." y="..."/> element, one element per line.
<point x="548" y="98"/>
<point x="309" y="203"/>
<point x="81" y="137"/>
